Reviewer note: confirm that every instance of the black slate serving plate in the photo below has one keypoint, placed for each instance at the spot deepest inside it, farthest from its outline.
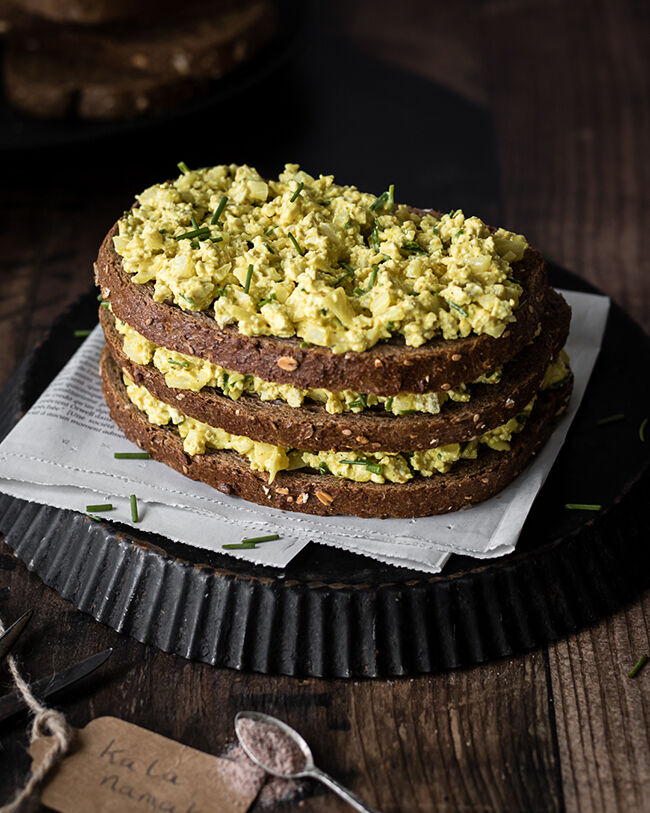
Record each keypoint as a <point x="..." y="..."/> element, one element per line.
<point x="338" y="614"/>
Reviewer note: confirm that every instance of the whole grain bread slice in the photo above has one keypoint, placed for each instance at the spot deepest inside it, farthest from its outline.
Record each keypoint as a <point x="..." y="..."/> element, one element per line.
<point x="312" y="428"/>
<point x="385" y="369"/>
<point x="469" y="481"/>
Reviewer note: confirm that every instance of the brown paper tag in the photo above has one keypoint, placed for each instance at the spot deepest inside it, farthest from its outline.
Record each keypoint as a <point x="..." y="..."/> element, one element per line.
<point x="117" y="767"/>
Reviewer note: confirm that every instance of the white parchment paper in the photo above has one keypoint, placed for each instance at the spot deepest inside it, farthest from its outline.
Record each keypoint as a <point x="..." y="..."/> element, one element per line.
<point x="61" y="454"/>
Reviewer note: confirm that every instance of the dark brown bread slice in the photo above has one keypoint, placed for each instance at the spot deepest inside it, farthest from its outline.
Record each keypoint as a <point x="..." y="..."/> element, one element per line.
<point x="385" y="369"/>
<point x="187" y="42"/>
<point x="92" y="12"/>
<point x="48" y="87"/>
<point x="311" y="427"/>
<point x="470" y="481"/>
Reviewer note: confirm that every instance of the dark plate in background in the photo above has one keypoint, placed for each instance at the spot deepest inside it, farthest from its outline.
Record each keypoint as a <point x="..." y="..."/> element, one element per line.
<point x="339" y="614"/>
<point x="21" y="132"/>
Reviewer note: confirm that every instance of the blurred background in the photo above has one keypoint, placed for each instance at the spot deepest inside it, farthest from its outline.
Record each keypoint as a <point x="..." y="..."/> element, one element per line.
<point x="532" y="114"/>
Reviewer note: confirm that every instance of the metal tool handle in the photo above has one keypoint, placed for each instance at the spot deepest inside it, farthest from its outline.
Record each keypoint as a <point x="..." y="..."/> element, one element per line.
<point x="343" y="792"/>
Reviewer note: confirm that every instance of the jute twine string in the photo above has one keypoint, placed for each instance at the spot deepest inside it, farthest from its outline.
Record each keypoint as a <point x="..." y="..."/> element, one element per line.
<point x="46" y="723"/>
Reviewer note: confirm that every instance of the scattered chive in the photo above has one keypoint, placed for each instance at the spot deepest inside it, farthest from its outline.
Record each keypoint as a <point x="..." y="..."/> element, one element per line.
<point x="414" y="248"/>
<point x="92" y="516"/>
<point x="610" y="419"/>
<point x="269" y="247"/>
<point x="374" y="237"/>
<point x="104" y="304"/>
<point x="193" y="222"/>
<point x="219" y="210"/>
<point x="216" y="239"/>
<point x="378" y="203"/>
<point x="200" y="233"/>
<point x="183" y="167"/>
<point x="132" y="455"/>
<point x="373" y="278"/>
<point x="255" y="539"/>
<point x="305" y="344"/>
<point x="134" y="508"/>
<point x="375" y="468"/>
<point x="578" y="506"/>
<point x="644" y="423"/>
<point x="249" y="276"/>
<point x="389" y="404"/>
<point x="460" y="231"/>
<point x="297" y="192"/>
<point x="94" y="508"/>
<point x="100" y="297"/>
<point x="638" y="666"/>
<point x="266" y="301"/>
<point x="391" y="195"/>
<point x="358" y="292"/>
<point x="453" y="212"/>
<point x="347" y="223"/>
<point x="188" y="299"/>
<point x="81" y="334"/>
<point x="323" y="468"/>
<point x="296" y="245"/>
<point x="349" y="272"/>
<point x="185" y="364"/>
<point x="238" y="546"/>
<point x="456" y="307"/>
<point x="269" y="231"/>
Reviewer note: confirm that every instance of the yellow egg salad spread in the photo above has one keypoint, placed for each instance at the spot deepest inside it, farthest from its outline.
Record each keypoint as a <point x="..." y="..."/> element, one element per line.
<point x="376" y="467"/>
<point x="191" y="373"/>
<point x="303" y="256"/>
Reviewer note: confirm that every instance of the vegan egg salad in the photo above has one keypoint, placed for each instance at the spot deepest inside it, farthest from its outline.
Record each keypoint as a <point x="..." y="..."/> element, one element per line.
<point x="377" y="467"/>
<point x="303" y="256"/>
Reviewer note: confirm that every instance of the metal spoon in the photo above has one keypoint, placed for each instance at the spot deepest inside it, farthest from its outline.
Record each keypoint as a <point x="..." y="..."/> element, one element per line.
<point x="308" y="770"/>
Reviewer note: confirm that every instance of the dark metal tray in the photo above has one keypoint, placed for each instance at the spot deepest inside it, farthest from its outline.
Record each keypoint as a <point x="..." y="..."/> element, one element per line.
<point x="338" y="614"/>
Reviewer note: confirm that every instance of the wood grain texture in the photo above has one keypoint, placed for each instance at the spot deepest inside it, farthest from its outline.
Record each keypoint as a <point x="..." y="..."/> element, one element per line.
<point x="560" y="729"/>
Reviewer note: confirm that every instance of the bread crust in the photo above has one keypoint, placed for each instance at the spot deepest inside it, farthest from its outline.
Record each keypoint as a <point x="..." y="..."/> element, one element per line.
<point x="469" y="482"/>
<point x="385" y="369"/>
<point x="312" y="428"/>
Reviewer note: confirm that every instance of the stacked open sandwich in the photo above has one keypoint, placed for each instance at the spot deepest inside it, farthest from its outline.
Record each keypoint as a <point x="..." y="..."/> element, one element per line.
<point x="310" y="347"/>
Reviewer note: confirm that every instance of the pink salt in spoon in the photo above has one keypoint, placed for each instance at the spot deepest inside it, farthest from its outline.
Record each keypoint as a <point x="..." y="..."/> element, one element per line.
<point x="281" y="751"/>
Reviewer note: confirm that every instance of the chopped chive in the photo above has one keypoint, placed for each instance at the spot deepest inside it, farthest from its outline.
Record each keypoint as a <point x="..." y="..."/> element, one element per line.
<point x="305" y="344"/>
<point x="100" y="297"/>
<point x="375" y="468"/>
<point x="132" y="455"/>
<point x="577" y="506"/>
<point x="453" y="213"/>
<point x="456" y="307"/>
<point x="266" y="301"/>
<point x="374" y="237"/>
<point x="358" y="292"/>
<point x="373" y="278"/>
<point x="460" y="231"/>
<point x="414" y="248"/>
<point x="271" y="250"/>
<point x="644" y="423"/>
<point x="216" y="239"/>
<point x="349" y="272"/>
<point x="638" y="666"/>
<point x="183" y="167"/>
<point x="104" y="304"/>
<point x="134" y="508"/>
<point x="269" y="231"/>
<point x="297" y="192"/>
<point x="378" y="203"/>
<point x="255" y="539"/>
<point x="323" y="468"/>
<point x="238" y="546"/>
<point x="188" y="299"/>
<point x="193" y="222"/>
<point x="81" y="334"/>
<point x="249" y="276"/>
<point x="296" y="245"/>
<point x="391" y="195"/>
<point x="389" y="404"/>
<point x="92" y="516"/>
<point x="610" y="419"/>
<point x="95" y="508"/>
<point x="347" y="223"/>
<point x="200" y="233"/>
<point x="185" y="364"/>
<point x="219" y="210"/>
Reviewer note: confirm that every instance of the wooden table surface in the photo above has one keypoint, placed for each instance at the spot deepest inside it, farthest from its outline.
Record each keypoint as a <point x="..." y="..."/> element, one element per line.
<point x="563" y="90"/>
